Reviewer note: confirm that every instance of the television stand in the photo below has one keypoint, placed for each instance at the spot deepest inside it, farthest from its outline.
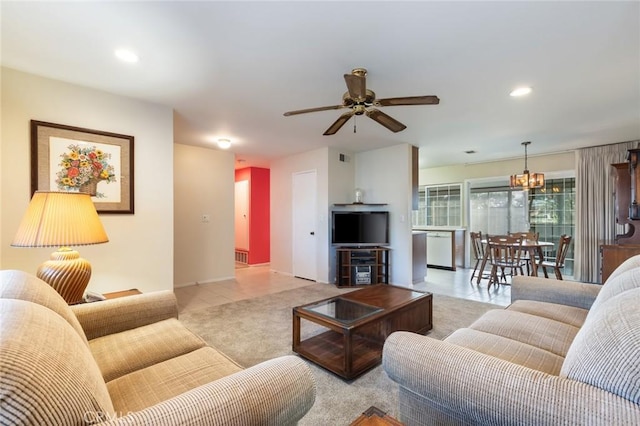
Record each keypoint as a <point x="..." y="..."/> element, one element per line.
<point x="362" y="265"/>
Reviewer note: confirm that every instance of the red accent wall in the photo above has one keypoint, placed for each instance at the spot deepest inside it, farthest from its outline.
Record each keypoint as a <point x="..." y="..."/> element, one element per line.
<point x="259" y="213"/>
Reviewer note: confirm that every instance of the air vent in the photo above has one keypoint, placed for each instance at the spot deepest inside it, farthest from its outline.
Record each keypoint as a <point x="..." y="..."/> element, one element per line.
<point x="242" y="257"/>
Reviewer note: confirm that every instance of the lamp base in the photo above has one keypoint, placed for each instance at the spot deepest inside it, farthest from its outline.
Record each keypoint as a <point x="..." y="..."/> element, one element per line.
<point x="67" y="273"/>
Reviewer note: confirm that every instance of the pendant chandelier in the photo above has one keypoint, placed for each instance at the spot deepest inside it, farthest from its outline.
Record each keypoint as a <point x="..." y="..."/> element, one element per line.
<point x="526" y="180"/>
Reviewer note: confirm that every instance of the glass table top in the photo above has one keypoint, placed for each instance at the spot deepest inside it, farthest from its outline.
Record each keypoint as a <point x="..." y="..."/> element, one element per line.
<point x="343" y="310"/>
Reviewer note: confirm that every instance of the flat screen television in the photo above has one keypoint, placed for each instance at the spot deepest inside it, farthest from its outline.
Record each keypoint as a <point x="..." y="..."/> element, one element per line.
<point x="363" y="228"/>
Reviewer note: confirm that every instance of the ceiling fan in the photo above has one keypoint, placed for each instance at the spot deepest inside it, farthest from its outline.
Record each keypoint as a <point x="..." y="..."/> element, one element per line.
<point x="361" y="100"/>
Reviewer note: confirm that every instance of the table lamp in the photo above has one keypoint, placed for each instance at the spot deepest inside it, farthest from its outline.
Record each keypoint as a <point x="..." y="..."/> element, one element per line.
<point x="62" y="219"/>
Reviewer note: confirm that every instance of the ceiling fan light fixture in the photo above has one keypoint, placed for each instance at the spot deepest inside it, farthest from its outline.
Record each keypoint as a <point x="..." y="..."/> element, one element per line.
<point x="520" y="91"/>
<point x="526" y="180"/>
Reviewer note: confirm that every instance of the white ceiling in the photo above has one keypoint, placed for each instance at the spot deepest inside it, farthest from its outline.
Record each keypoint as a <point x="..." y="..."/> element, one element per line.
<point x="231" y="69"/>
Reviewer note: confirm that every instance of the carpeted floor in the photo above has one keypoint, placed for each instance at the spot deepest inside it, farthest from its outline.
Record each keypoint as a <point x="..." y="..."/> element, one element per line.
<point x="254" y="330"/>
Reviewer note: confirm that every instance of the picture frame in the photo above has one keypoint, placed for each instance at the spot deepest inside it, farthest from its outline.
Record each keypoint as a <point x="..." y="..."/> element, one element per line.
<point x="75" y="159"/>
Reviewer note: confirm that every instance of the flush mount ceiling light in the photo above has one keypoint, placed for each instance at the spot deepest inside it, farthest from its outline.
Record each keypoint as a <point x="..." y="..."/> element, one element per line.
<point x="224" y="143"/>
<point x="126" y="55"/>
<point x="526" y="180"/>
<point x="520" y="91"/>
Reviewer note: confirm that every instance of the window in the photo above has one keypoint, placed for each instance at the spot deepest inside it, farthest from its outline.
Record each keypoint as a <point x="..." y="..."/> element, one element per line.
<point x="552" y="214"/>
<point x="550" y="211"/>
<point x="498" y="211"/>
<point x="439" y="205"/>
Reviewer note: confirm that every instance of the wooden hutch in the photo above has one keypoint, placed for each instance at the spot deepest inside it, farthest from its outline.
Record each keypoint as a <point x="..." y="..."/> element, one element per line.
<point x="627" y="213"/>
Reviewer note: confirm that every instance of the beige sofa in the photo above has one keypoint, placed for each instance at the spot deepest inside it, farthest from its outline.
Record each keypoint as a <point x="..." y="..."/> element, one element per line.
<point x="129" y="361"/>
<point x="563" y="353"/>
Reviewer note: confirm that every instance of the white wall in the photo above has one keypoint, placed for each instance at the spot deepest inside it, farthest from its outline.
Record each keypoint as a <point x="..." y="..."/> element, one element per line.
<point x="140" y="249"/>
<point x="203" y="184"/>
<point x="385" y="176"/>
<point x="341" y="177"/>
<point x="498" y="169"/>
<point x="341" y="190"/>
<point x="282" y="171"/>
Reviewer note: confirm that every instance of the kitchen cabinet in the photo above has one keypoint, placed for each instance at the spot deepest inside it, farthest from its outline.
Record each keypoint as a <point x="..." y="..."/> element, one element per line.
<point x="419" y="247"/>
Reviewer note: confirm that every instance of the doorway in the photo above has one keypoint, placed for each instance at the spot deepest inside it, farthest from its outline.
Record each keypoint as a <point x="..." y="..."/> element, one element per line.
<point x="242" y="220"/>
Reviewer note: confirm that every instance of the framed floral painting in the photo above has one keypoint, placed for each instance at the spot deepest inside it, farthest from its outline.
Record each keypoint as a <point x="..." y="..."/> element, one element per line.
<point x="67" y="158"/>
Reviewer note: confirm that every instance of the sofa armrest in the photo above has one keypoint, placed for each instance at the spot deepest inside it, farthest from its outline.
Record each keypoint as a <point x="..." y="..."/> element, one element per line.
<point x="469" y="387"/>
<point x="115" y="315"/>
<point x="275" y="392"/>
<point x="569" y="293"/>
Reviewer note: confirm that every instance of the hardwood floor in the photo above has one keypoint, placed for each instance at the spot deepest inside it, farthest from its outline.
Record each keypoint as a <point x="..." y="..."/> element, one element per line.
<point x="258" y="281"/>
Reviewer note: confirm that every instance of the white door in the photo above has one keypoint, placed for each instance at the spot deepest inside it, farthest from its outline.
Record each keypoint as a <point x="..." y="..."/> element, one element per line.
<point x="304" y="225"/>
<point x="242" y="215"/>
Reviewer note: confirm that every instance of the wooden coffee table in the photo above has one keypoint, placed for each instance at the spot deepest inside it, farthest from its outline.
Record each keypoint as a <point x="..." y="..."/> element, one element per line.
<point x="354" y="326"/>
<point x="375" y="417"/>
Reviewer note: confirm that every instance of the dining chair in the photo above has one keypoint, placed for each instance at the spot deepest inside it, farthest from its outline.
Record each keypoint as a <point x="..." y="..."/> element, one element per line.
<point x="529" y="236"/>
<point x="478" y="254"/>
<point x="505" y="255"/>
<point x="558" y="263"/>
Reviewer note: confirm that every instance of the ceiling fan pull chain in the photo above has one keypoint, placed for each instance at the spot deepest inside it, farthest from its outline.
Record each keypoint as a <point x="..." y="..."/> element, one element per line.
<point x="354" y="123"/>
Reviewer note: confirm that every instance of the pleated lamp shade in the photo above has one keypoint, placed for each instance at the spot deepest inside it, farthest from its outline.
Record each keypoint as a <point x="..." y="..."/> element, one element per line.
<point x="62" y="219"/>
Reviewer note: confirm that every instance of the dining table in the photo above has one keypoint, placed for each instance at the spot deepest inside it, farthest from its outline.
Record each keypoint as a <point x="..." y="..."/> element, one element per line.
<point x="533" y="247"/>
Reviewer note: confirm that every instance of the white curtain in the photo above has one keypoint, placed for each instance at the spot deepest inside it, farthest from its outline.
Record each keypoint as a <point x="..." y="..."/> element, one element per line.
<point x="595" y="209"/>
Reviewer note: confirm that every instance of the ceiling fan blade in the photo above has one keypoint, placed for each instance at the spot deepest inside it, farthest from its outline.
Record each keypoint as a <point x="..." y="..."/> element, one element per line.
<point x="339" y="123"/>
<point x="304" y="111"/>
<point x="386" y="120"/>
<point x="357" y="86"/>
<point x="410" y="100"/>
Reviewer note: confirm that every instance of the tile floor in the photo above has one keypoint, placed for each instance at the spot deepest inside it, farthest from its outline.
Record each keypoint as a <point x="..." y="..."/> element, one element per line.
<point x="258" y="281"/>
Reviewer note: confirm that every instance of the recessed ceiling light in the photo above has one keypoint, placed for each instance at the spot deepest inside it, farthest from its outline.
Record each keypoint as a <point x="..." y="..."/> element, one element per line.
<point x="126" y="55"/>
<point x="520" y="91"/>
<point x="224" y="143"/>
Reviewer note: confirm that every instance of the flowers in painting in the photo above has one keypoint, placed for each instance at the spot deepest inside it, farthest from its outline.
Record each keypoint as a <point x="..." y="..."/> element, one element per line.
<point x="83" y="165"/>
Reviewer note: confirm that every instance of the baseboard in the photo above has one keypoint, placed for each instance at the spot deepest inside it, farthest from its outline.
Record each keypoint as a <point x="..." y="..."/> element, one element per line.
<point x="209" y="281"/>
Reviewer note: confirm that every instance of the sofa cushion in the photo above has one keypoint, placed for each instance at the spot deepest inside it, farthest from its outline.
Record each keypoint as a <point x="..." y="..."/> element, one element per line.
<point x="507" y="349"/>
<point x="566" y="314"/>
<point x="22" y="286"/>
<point x="125" y="313"/>
<point x="544" y="333"/>
<point x="48" y="375"/>
<point x="131" y="350"/>
<point x="165" y="380"/>
<point x="620" y="283"/>
<point x="606" y="350"/>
